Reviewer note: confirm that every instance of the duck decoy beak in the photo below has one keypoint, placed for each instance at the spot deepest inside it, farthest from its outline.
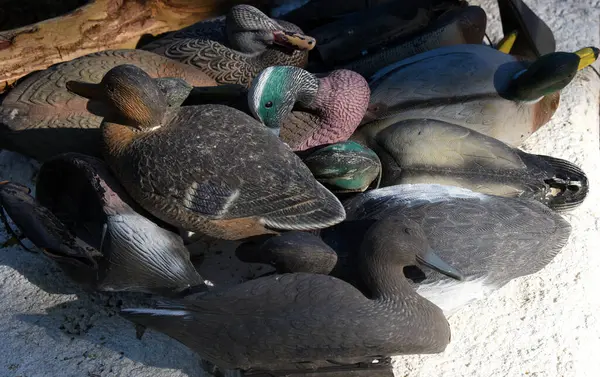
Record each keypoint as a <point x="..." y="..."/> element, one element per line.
<point x="507" y="43"/>
<point x="430" y="259"/>
<point x="587" y="56"/>
<point x="4" y="182"/>
<point x="84" y="89"/>
<point x="295" y="41"/>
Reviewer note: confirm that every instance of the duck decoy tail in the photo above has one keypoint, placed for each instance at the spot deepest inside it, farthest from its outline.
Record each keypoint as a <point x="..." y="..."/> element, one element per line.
<point x="569" y="183"/>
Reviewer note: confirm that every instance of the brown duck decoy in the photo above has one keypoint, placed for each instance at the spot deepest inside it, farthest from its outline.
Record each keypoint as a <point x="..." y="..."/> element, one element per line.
<point x="41" y="118"/>
<point x="81" y="222"/>
<point x="233" y="49"/>
<point x="434" y="152"/>
<point x="490" y="239"/>
<point x="475" y="86"/>
<point x="262" y="324"/>
<point x="209" y="169"/>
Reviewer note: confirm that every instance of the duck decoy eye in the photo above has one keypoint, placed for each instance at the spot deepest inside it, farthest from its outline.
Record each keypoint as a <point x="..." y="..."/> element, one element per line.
<point x="269" y="104"/>
<point x="408" y="231"/>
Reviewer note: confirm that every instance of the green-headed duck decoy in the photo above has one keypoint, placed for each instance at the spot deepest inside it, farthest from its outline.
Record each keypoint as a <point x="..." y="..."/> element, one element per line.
<point x="41" y="118"/>
<point x="234" y="48"/>
<point x="430" y="151"/>
<point x="274" y="322"/>
<point x="310" y="110"/>
<point x="477" y="87"/>
<point x="490" y="239"/>
<point x="344" y="167"/>
<point x="82" y="223"/>
<point x="208" y="169"/>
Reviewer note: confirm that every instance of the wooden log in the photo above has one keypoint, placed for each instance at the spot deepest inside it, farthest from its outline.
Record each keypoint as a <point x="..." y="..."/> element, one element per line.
<point x="96" y="26"/>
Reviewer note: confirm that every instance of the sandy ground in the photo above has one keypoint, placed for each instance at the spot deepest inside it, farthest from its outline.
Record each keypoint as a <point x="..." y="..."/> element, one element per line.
<point x="542" y="325"/>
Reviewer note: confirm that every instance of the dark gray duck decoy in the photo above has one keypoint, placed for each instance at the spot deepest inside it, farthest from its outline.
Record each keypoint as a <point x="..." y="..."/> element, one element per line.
<point x="41" y="118"/>
<point x="430" y="151"/>
<point x="300" y="320"/>
<point x="81" y="221"/>
<point x="208" y="169"/>
<point x="491" y="240"/>
<point x="234" y="48"/>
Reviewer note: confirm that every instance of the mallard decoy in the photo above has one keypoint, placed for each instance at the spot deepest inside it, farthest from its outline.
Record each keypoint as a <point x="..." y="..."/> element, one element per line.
<point x="233" y="49"/>
<point x="208" y="169"/>
<point x="330" y="107"/>
<point x="490" y="239"/>
<point x="263" y="324"/>
<point x="345" y="167"/>
<point x="96" y="238"/>
<point x="41" y="118"/>
<point x="430" y="151"/>
<point x="474" y="86"/>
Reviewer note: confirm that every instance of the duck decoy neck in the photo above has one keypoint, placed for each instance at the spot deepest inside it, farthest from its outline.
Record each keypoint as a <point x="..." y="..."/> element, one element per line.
<point x="392" y="243"/>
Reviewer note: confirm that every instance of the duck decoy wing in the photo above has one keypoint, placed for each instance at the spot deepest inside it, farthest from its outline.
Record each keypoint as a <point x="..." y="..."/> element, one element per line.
<point x="145" y="257"/>
<point x="213" y="29"/>
<point x="270" y="320"/>
<point x="44" y="229"/>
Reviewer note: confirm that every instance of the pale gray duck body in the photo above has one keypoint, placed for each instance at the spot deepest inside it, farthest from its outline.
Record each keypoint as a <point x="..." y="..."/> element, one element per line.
<point x="490" y="239"/>
<point x="273" y="322"/>
<point x="435" y="152"/>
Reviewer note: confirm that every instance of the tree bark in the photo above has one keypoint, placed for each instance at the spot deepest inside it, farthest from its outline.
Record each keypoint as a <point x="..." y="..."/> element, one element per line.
<point x="96" y="26"/>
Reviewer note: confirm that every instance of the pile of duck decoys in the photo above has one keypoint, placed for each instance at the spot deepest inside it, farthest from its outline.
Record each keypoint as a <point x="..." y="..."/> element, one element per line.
<point x="372" y="160"/>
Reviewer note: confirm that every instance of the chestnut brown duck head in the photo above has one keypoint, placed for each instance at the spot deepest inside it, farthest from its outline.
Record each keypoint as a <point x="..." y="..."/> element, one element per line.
<point x="209" y="169"/>
<point x="80" y="220"/>
<point x="235" y="48"/>
<point x="309" y="110"/>
<point x="41" y="118"/>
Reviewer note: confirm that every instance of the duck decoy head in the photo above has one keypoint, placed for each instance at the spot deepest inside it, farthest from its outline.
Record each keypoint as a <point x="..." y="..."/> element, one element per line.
<point x="251" y="31"/>
<point x="290" y="252"/>
<point x="134" y="95"/>
<point x="549" y="74"/>
<point x="336" y="103"/>
<point x="344" y="167"/>
<point x="396" y="240"/>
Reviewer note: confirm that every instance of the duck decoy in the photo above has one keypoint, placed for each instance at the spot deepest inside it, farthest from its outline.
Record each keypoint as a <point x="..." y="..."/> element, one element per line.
<point x="455" y="27"/>
<point x="345" y="167"/>
<point x="329" y="107"/>
<point x="491" y="240"/>
<point x="82" y="223"/>
<point x="262" y="324"/>
<point x="474" y="86"/>
<point x="430" y="151"/>
<point x="41" y="118"/>
<point x="289" y="252"/>
<point x="207" y="169"/>
<point x="233" y="49"/>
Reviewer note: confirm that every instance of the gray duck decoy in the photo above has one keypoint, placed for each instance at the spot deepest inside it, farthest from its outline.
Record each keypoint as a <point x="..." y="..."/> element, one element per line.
<point x="81" y="221"/>
<point x="490" y="239"/>
<point x="430" y="151"/>
<point x="208" y="169"/>
<point x="275" y="322"/>
<point x="41" y="118"/>
<point x="477" y="87"/>
<point x="234" y="48"/>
